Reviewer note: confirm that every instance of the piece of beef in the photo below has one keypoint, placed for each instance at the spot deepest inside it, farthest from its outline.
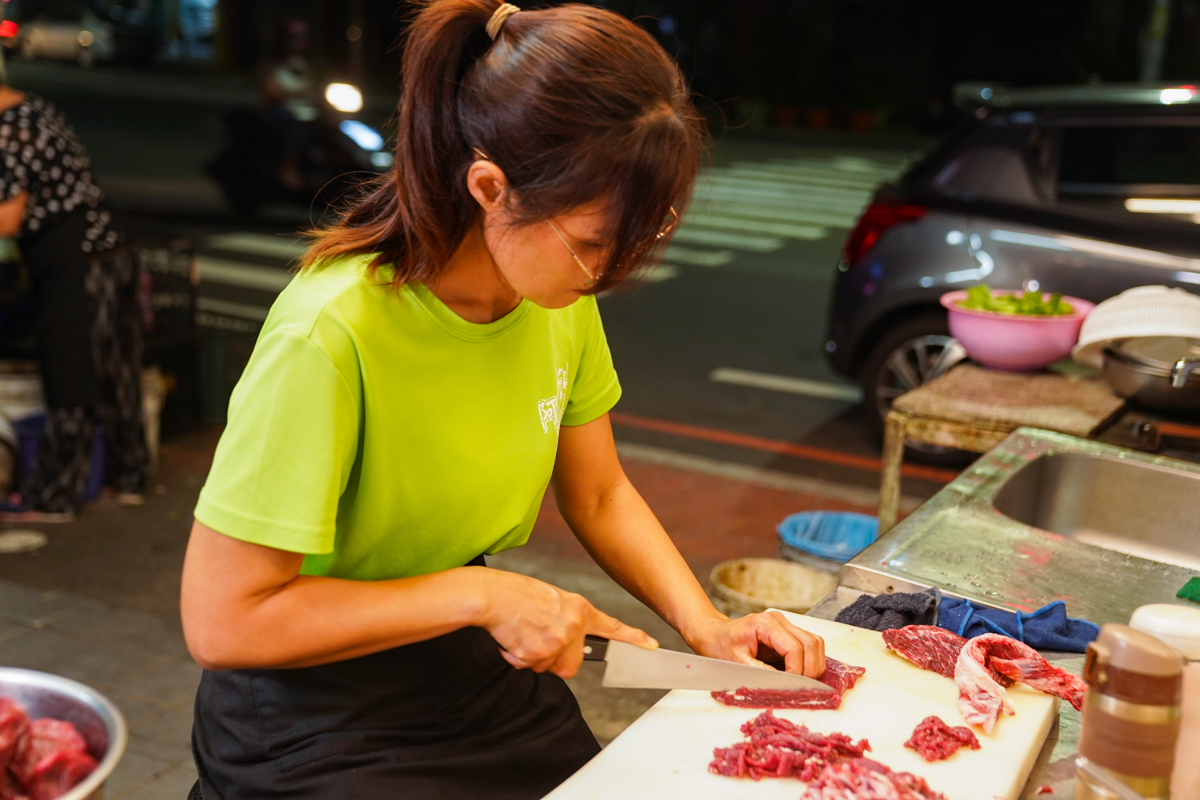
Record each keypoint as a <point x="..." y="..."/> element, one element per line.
<point x="13" y="722"/>
<point x="937" y="741"/>
<point x="9" y="788"/>
<point x="50" y="759"/>
<point x="838" y="675"/>
<point x="982" y="699"/>
<point x="777" y="748"/>
<point x="928" y="646"/>
<point x="864" y="779"/>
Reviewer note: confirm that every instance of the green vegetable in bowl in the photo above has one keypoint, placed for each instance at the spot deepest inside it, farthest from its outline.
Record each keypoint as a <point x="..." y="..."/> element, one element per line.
<point x="980" y="298"/>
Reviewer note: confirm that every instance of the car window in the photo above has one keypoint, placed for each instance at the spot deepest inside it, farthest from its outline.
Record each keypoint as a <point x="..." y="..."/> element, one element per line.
<point x="1128" y="161"/>
<point x="990" y="173"/>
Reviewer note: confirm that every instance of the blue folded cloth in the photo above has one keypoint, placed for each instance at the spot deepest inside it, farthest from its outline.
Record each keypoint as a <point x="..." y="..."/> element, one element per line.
<point x="1048" y="628"/>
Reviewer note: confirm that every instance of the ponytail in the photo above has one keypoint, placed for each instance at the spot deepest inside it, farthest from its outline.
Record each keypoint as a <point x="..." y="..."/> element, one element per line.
<point x="574" y="103"/>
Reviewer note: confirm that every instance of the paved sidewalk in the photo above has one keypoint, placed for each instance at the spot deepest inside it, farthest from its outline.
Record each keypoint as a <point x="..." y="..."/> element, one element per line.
<point x="100" y="603"/>
<point x="138" y="660"/>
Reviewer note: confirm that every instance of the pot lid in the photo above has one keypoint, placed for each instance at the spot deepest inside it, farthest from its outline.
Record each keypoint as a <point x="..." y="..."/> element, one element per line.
<point x="1160" y="352"/>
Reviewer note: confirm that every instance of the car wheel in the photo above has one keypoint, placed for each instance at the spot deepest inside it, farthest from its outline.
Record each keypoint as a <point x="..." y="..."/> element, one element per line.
<point x="86" y="57"/>
<point x="906" y="356"/>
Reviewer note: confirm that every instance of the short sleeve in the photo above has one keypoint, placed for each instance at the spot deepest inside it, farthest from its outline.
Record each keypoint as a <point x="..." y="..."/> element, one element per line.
<point x="287" y="452"/>
<point x="596" y="388"/>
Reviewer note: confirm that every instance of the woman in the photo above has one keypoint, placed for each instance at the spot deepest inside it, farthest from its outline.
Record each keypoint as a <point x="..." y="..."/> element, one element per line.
<point x="87" y="318"/>
<point x="413" y="392"/>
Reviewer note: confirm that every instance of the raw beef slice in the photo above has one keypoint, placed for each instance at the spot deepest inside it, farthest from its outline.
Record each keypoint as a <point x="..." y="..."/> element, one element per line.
<point x="841" y="677"/>
<point x="864" y="779"/>
<point x="928" y="646"/>
<point x="982" y="699"/>
<point x="50" y="759"/>
<point x="13" y="722"/>
<point x="937" y="741"/>
<point x="777" y="748"/>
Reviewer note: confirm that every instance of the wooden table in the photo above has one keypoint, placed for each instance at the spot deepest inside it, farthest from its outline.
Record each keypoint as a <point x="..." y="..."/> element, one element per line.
<point x="973" y="408"/>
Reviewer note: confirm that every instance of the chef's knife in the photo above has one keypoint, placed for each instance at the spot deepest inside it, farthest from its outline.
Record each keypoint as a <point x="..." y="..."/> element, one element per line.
<point x="631" y="667"/>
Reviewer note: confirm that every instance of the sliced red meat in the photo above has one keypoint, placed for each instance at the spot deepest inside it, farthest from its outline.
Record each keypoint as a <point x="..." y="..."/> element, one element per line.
<point x="58" y="773"/>
<point x="928" y="646"/>
<point x="838" y="675"/>
<point x="777" y="748"/>
<point x="51" y="758"/>
<point x="982" y="699"/>
<point x="1038" y="673"/>
<point x="864" y="779"/>
<point x="13" y="722"/>
<point x="937" y="741"/>
<point x="9" y="788"/>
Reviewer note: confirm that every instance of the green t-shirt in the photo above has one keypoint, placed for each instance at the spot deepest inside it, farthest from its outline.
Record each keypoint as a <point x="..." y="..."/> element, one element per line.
<point x="384" y="436"/>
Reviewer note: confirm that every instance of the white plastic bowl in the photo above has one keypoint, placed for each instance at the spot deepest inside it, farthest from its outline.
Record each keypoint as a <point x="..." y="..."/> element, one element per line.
<point x="1137" y="312"/>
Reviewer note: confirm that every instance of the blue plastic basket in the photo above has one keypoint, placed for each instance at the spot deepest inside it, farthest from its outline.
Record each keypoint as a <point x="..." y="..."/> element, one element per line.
<point x="836" y="535"/>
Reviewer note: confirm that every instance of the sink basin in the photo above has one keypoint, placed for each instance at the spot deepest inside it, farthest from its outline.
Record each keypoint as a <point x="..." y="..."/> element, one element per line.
<point x="1119" y="504"/>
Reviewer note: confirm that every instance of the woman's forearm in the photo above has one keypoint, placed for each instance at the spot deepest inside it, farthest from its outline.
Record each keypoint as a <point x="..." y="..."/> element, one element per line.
<point x="262" y="614"/>
<point x="621" y="533"/>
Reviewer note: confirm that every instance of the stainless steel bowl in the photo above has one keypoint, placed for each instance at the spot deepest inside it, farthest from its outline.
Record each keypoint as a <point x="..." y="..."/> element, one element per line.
<point x="1149" y="385"/>
<point x="96" y="718"/>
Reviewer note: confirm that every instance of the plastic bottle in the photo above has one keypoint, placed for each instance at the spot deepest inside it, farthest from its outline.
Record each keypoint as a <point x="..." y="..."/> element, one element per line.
<point x="1179" y="626"/>
<point x="1130" y="712"/>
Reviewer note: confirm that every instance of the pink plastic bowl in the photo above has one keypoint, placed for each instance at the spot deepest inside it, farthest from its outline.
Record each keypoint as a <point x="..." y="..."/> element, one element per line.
<point x="1015" y="342"/>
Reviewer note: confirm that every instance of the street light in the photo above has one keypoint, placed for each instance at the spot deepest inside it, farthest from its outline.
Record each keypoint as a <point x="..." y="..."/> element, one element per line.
<point x="344" y="97"/>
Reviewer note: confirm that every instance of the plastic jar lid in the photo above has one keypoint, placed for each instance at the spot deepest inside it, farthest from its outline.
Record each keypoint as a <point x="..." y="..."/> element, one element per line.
<point x="1178" y="626"/>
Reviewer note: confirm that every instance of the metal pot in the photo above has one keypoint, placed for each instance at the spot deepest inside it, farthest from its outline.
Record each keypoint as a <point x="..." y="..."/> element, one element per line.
<point x="1161" y="373"/>
<point x="94" y="716"/>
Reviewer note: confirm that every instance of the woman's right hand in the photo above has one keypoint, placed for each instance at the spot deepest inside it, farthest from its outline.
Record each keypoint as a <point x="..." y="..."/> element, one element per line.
<point x="541" y="627"/>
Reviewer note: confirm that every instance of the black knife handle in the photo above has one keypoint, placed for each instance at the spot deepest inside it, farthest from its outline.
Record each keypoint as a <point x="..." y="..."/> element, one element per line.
<point x="594" y="648"/>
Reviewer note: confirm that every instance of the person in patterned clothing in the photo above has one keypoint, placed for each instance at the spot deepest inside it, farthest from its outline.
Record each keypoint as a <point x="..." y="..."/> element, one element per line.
<point x="84" y="275"/>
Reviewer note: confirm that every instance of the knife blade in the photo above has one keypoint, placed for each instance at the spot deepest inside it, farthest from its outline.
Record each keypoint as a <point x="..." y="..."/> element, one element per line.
<point x="628" y="666"/>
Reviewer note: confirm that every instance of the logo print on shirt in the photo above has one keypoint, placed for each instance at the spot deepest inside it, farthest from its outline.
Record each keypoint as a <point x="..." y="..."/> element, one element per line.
<point x="551" y="409"/>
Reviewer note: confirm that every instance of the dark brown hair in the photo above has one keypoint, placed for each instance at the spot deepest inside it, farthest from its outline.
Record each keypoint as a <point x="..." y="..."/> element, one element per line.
<point x="574" y="103"/>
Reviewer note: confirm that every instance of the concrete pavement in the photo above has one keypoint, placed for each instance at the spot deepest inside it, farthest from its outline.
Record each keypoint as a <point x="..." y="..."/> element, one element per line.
<point x="100" y="602"/>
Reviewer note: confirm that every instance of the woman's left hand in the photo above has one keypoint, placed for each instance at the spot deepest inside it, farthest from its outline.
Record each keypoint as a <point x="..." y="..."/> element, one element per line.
<point x="760" y="638"/>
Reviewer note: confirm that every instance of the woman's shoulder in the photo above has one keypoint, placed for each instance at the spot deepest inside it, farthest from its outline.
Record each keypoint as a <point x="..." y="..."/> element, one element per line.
<point x="318" y="294"/>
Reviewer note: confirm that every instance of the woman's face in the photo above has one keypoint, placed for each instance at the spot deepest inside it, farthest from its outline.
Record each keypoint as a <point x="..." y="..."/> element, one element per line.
<point x="538" y="265"/>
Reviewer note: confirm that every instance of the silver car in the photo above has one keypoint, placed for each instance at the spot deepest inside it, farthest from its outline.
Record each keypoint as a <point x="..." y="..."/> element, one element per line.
<point x="1086" y="190"/>
<point x="67" y="31"/>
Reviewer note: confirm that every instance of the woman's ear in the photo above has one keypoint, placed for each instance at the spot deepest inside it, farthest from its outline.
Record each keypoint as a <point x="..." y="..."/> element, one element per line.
<point x="488" y="184"/>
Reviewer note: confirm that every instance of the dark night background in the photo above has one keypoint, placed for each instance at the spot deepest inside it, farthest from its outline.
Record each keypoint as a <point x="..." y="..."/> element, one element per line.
<point x="807" y="63"/>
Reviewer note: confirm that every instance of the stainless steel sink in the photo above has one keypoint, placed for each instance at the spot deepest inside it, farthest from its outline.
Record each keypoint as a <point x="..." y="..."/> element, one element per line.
<point x="1045" y="516"/>
<point x="1119" y="504"/>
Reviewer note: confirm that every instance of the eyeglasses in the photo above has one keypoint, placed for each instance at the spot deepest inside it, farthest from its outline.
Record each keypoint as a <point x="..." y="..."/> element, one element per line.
<point x="592" y="278"/>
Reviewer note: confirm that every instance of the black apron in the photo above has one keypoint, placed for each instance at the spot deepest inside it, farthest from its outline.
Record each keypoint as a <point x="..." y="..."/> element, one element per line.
<point x="442" y="719"/>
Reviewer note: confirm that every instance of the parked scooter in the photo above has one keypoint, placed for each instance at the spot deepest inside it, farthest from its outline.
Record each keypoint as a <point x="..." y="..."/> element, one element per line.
<point x="339" y="151"/>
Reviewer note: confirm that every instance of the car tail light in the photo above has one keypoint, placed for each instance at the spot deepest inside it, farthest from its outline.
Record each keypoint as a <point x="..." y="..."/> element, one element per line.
<point x="874" y="221"/>
<point x="8" y="29"/>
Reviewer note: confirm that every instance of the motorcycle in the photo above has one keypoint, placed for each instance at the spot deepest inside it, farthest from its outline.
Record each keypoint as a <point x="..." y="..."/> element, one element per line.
<point x="338" y="152"/>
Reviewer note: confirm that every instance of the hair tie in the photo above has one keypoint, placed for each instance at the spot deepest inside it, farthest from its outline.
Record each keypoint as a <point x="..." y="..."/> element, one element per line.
<point x="501" y="14"/>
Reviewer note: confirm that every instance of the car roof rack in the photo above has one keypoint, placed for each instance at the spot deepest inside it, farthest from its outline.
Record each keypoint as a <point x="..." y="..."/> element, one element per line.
<point x="974" y="94"/>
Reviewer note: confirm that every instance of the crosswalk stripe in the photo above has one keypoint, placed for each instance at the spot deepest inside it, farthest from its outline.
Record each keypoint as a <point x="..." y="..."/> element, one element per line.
<point x="659" y="273"/>
<point x="699" y="258"/>
<point x="753" y="244"/>
<point x="781" y="174"/>
<point x="232" y="309"/>
<point x="777" y="189"/>
<point x="785" y="383"/>
<point x="259" y="244"/>
<point x="802" y="216"/>
<point x="781" y="200"/>
<point x="806" y="233"/>
<point x="235" y="273"/>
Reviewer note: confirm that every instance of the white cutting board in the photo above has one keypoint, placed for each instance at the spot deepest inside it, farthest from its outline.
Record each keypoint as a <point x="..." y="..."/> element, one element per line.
<point x="667" y="751"/>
